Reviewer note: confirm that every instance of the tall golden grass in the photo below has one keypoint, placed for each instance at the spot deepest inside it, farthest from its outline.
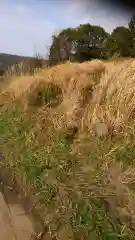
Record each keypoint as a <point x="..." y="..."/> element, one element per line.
<point x="100" y="91"/>
<point x="113" y="99"/>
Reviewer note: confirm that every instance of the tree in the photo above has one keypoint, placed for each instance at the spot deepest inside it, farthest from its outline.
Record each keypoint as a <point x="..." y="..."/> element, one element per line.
<point x="131" y="26"/>
<point x="63" y="45"/>
<point x="78" y="44"/>
<point x="91" y="42"/>
<point x="120" y="42"/>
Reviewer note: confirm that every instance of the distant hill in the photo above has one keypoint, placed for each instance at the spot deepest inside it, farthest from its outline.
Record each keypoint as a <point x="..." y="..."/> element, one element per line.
<point x="7" y="60"/>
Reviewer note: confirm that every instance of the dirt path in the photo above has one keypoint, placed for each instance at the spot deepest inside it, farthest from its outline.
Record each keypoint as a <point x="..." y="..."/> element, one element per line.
<point x="15" y="224"/>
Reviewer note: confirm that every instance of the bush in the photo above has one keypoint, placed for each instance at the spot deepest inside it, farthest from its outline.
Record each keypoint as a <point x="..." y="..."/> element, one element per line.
<point x="45" y="94"/>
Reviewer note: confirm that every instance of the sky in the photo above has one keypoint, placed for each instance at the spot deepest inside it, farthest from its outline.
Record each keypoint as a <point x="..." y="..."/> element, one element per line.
<point x="26" y="26"/>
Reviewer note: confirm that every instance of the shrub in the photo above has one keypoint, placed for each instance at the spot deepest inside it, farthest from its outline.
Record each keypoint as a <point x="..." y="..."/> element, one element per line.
<point x="45" y="94"/>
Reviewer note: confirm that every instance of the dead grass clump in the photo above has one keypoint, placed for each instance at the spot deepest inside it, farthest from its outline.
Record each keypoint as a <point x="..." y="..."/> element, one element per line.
<point x="74" y="80"/>
<point x="77" y="88"/>
<point x="92" y="66"/>
<point x="15" y="90"/>
<point x="113" y="100"/>
<point x="31" y="91"/>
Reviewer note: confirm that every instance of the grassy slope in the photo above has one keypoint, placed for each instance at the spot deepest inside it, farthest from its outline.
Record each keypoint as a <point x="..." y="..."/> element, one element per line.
<point x="82" y="184"/>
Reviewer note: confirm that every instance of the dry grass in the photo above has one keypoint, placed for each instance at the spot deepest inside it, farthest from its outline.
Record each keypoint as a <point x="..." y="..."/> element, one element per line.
<point x="114" y="99"/>
<point x="83" y="184"/>
<point x="21" y="69"/>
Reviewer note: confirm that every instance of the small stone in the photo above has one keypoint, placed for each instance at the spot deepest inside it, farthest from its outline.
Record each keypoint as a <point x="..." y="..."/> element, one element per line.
<point x="101" y="129"/>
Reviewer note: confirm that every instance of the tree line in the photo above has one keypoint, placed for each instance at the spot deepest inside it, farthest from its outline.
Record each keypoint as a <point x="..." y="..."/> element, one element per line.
<point x="88" y="42"/>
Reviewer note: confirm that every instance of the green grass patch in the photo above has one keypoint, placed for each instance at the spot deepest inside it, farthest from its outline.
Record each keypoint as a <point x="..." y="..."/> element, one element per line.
<point x="62" y="183"/>
<point x="45" y="94"/>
